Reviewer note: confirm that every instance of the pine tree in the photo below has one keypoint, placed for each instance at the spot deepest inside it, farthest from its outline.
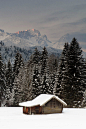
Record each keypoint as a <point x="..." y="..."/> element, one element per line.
<point x="45" y="84"/>
<point x="36" y="83"/>
<point x="51" y="83"/>
<point x="8" y="75"/>
<point x="72" y="82"/>
<point x="53" y="65"/>
<point x="2" y="83"/>
<point x="62" y="66"/>
<point x="17" y="64"/>
<point x="21" y="89"/>
<point x="44" y="72"/>
<point x="84" y="100"/>
<point x="44" y="58"/>
<point x="36" y="56"/>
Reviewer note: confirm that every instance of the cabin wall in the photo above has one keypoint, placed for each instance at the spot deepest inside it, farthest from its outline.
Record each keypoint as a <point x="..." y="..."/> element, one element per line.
<point x="32" y="110"/>
<point x="36" y="110"/>
<point x="53" y="106"/>
<point x="25" y="110"/>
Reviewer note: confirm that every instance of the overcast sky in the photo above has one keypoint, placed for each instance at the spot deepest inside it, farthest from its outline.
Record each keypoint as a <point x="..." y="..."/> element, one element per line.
<point x="54" y="18"/>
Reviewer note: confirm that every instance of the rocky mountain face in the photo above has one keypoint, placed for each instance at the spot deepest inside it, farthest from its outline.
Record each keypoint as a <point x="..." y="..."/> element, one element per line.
<point x="25" y="39"/>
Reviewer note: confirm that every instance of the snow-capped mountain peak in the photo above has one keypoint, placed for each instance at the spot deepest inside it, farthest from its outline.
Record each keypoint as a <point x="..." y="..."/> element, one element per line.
<point x="28" y="33"/>
<point x="26" y="38"/>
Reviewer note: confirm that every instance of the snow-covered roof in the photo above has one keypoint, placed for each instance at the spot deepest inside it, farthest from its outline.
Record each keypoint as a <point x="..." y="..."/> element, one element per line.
<point x="41" y="100"/>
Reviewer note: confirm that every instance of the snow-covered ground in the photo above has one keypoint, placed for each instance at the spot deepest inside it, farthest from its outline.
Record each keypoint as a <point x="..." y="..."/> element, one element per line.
<point x="13" y="118"/>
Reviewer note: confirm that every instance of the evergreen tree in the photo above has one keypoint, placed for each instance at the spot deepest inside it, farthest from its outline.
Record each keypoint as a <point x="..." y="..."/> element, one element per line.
<point x="44" y="58"/>
<point x="36" y="56"/>
<point x="2" y="83"/>
<point x="8" y="75"/>
<point x="18" y="63"/>
<point x="36" y="83"/>
<point x="62" y="66"/>
<point x="84" y="100"/>
<point x="51" y="83"/>
<point x="45" y="84"/>
<point x="44" y="72"/>
<point x="72" y="82"/>
<point x="21" y="90"/>
<point x="53" y="65"/>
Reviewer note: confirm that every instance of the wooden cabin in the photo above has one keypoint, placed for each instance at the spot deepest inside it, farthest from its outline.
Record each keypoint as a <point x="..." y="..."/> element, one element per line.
<point x="43" y="104"/>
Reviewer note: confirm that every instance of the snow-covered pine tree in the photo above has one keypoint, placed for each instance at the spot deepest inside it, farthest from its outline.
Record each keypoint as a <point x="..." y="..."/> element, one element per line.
<point x="22" y="90"/>
<point x="26" y="80"/>
<point x="84" y="100"/>
<point x="2" y="83"/>
<point x="44" y="71"/>
<point x="36" y="56"/>
<point x="17" y="64"/>
<point x="36" y="83"/>
<point x="44" y="58"/>
<point x="18" y="88"/>
<point x="8" y="75"/>
<point x="53" y="65"/>
<point x="51" y="83"/>
<point x="72" y="82"/>
<point x="45" y="84"/>
<point x="62" y="66"/>
<point x="84" y="79"/>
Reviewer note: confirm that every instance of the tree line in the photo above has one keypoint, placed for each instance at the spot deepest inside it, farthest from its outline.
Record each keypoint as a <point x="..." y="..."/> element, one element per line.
<point x="45" y="74"/>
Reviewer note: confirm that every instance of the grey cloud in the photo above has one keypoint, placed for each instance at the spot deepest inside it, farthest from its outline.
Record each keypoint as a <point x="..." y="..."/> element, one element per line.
<point x="78" y="22"/>
<point x="64" y="14"/>
<point x="81" y="21"/>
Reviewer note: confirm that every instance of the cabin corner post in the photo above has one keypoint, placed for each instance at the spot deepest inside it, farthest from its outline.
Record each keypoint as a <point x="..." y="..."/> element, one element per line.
<point x="30" y="110"/>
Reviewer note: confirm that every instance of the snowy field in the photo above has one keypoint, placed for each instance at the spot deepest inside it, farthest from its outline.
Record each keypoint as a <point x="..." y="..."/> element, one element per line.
<point x="12" y="118"/>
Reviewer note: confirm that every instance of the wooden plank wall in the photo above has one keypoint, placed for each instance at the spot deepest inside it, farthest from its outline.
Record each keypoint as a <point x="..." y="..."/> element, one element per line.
<point x="53" y="106"/>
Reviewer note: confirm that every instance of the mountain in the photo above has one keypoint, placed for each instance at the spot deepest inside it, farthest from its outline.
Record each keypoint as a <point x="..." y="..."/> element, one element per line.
<point x="25" y="39"/>
<point x="81" y="38"/>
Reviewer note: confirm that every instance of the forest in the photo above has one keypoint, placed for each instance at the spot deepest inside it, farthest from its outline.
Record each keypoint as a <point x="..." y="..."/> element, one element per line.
<point x="64" y="76"/>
